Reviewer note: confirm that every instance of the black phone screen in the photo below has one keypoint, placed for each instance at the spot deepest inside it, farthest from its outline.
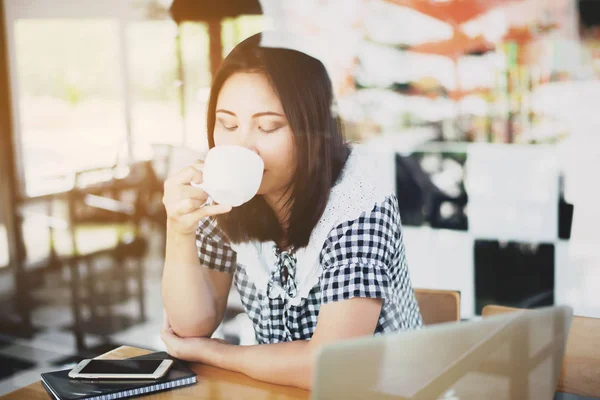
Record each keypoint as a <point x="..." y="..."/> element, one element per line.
<point x="121" y="367"/>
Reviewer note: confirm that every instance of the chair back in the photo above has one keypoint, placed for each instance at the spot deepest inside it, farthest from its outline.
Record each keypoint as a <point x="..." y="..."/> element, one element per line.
<point x="580" y="373"/>
<point x="438" y="306"/>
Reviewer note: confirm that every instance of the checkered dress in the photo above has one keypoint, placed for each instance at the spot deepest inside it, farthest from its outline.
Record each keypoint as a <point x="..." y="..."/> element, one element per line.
<point x="364" y="257"/>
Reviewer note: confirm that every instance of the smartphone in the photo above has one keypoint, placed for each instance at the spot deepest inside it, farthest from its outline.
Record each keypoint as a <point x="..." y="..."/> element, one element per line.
<point x="120" y="369"/>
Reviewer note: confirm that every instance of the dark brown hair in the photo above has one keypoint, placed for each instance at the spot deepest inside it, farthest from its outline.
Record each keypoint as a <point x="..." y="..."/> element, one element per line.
<point x="303" y="86"/>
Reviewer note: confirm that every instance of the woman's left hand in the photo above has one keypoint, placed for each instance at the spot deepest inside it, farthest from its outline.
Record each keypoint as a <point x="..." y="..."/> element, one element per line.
<point x="205" y="350"/>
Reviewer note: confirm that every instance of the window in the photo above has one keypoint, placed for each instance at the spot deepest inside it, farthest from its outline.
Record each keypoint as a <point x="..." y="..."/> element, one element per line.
<point x="152" y="74"/>
<point x="234" y="30"/>
<point x="71" y="108"/>
<point x="3" y="247"/>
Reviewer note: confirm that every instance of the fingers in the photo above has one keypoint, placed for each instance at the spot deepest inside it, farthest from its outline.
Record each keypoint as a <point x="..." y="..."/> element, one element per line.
<point x="184" y="207"/>
<point x="165" y="323"/>
<point x="212" y="210"/>
<point x="167" y="339"/>
<point x="206" y="211"/>
<point x="190" y="192"/>
<point x="187" y="175"/>
<point x="199" y="165"/>
<point x="181" y="198"/>
<point x="187" y="206"/>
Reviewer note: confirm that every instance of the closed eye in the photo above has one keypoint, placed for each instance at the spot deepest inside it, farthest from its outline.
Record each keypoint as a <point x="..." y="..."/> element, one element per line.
<point x="228" y="127"/>
<point x="268" y="130"/>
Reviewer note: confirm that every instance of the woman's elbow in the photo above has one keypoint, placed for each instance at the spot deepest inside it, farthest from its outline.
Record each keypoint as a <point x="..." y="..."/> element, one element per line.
<point x="198" y="327"/>
<point x="306" y="383"/>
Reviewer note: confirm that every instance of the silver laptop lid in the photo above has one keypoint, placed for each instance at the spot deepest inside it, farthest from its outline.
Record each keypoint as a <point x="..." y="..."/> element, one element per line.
<point x="511" y="356"/>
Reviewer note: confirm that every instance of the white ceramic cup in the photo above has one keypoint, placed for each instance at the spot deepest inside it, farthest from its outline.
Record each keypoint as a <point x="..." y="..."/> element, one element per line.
<point x="232" y="174"/>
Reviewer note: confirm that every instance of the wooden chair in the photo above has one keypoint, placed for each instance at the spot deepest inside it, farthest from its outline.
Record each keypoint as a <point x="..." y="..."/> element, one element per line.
<point x="104" y="214"/>
<point x="438" y="306"/>
<point x="580" y="373"/>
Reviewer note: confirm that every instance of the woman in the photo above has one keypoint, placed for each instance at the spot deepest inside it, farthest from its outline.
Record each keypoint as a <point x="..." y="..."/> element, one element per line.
<point x="317" y="256"/>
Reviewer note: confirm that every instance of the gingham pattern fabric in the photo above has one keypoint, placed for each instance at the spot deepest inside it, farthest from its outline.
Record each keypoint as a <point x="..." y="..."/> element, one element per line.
<point x="213" y="248"/>
<point x="364" y="257"/>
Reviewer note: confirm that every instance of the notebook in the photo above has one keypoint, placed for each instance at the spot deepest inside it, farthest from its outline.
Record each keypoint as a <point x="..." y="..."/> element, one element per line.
<point x="61" y="387"/>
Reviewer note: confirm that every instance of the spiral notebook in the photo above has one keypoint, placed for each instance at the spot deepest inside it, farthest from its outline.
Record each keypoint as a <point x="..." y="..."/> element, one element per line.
<point x="61" y="387"/>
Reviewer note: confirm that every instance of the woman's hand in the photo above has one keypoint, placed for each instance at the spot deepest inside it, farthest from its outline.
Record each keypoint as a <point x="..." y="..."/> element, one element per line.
<point x="185" y="204"/>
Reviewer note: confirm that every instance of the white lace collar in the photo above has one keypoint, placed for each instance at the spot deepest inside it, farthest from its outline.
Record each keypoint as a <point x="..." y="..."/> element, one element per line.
<point x="358" y="190"/>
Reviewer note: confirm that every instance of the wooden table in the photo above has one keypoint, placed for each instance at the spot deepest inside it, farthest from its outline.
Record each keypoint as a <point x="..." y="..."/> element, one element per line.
<point x="213" y="383"/>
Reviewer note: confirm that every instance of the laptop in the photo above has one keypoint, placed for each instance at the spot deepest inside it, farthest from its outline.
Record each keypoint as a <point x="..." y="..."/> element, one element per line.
<point x="512" y="356"/>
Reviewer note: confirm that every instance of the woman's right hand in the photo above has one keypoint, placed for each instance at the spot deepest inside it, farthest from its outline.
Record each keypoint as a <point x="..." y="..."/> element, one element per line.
<point x="185" y="204"/>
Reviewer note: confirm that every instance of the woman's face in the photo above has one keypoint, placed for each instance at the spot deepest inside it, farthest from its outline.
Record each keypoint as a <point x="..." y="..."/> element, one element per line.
<point x="249" y="114"/>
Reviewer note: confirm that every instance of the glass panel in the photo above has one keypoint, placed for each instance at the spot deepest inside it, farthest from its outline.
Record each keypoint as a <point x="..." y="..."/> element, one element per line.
<point x="153" y="73"/>
<point x="3" y="247"/>
<point x="72" y="114"/>
<point x="196" y="61"/>
<point x="234" y="30"/>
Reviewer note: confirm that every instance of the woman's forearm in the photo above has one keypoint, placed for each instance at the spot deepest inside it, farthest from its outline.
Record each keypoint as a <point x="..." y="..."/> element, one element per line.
<point x="287" y="363"/>
<point x="187" y="292"/>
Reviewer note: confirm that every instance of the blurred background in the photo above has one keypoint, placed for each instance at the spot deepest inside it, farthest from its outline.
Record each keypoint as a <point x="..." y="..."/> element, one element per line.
<point x="486" y="112"/>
